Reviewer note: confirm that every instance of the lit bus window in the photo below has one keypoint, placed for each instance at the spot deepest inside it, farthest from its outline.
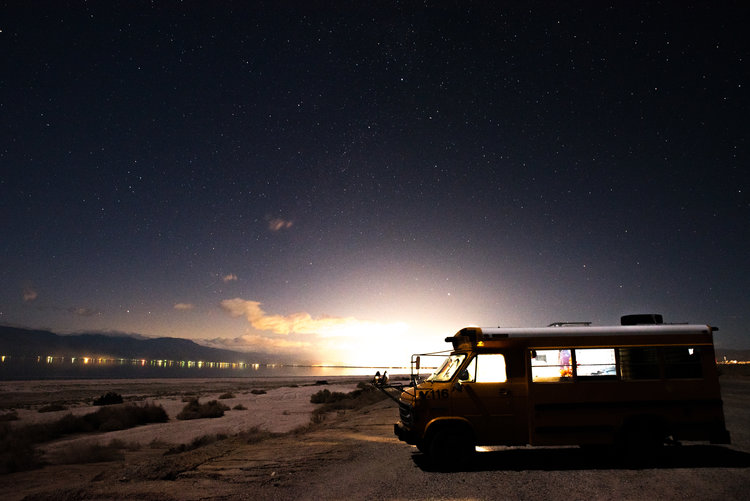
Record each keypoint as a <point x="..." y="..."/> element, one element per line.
<point x="551" y="366"/>
<point x="596" y="363"/>
<point x="682" y="362"/>
<point x="490" y="368"/>
<point x="639" y="363"/>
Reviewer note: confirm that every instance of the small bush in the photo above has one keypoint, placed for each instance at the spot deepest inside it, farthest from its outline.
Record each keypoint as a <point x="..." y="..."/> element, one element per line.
<point x="258" y="392"/>
<point x="363" y="396"/>
<point x="17" y="452"/>
<point x="9" y="416"/>
<point x="225" y="396"/>
<point x="239" y="407"/>
<point x="326" y="397"/>
<point x="255" y="435"/>
<point x="158" y="443"/>
<point x="52" y="408"/>
<point x="196" y="410"/>
<point x="196" y="443"/>
<point x="109" y="398"/>
<point x="89" y="453"/>
<point x="120" y="418"/>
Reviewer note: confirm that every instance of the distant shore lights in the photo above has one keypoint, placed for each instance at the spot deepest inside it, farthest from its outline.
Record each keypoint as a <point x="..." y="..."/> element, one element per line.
<point x="142" y="362"/>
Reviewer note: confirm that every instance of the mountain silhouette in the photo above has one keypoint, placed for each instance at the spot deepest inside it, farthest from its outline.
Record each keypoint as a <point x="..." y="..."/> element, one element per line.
<point x="26" y="343"/>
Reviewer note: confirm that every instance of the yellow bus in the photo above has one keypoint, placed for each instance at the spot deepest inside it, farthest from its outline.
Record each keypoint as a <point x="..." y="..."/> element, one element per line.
<point x="637" y="385"/>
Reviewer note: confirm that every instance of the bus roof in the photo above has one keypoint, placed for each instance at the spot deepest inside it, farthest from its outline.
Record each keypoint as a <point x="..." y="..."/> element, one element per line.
<point x="518" y="332"/>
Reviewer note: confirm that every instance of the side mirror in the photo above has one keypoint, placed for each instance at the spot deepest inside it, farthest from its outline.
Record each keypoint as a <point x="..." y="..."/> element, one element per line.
<point x="416" y="364"/>
<point x="458" y="386"/>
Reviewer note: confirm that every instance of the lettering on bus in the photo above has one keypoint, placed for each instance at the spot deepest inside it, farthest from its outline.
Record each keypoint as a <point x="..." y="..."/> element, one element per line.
<point x="434" y="395"/>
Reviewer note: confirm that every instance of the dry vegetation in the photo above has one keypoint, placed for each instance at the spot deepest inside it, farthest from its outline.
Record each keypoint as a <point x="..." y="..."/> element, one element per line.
<point x="18" y="444"/>
<point x="197" y="410"/>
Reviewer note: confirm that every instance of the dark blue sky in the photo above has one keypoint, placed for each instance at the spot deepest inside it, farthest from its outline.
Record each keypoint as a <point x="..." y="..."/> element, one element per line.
<point x="323" y="178"/>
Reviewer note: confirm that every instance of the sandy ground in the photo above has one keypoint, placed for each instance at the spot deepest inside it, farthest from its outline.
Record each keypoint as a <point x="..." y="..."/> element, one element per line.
<point x="354" y="455"/>
<point x="284" y="406"/>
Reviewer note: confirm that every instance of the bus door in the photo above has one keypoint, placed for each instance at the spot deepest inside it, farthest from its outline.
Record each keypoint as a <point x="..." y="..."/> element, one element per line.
<point x="494" y="404"/>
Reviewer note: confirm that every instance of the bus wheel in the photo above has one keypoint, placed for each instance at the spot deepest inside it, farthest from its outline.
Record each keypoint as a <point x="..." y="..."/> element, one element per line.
<point x="642" y="440"/>
<point x="451" y="447"/>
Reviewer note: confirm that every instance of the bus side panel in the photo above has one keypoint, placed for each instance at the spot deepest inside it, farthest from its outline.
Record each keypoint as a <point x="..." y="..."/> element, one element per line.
<point x="568" y="413"/>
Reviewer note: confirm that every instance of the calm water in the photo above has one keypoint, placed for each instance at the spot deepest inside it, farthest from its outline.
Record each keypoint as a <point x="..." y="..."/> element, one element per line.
<point x="34" y="370"/>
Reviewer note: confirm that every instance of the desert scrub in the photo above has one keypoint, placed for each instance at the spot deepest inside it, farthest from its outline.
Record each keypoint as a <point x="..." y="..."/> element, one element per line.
<point x="196" y="443"/>
<point x="104" y="419"/>
<point x="93" y="453"/>
<point x="255" y="435"/>
<point x="9" y="416"/>
<point x="109" y="398"/>
<point x="226" y="395"/>
<point x="17" y="451"/>
<point x="52" y="408"/>
<point x="196" y="410"/>
<point x="258" y="392"/>
<point x="364" y="395"/>
<point x="326" y="397"/>
<point x="239" y="407"/>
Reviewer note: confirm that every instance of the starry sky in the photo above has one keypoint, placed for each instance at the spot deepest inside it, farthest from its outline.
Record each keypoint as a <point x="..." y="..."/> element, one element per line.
<point x="350" y="182"/>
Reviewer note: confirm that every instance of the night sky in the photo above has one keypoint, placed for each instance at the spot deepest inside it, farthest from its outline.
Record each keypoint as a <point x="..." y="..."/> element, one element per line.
<point x="351" y="182"/>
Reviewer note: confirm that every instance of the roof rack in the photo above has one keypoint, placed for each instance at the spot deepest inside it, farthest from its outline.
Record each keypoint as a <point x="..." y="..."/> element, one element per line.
<point x="565" y="324"/>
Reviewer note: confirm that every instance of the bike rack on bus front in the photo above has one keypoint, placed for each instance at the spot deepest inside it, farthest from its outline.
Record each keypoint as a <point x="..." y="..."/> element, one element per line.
<point x="381" y="381"/>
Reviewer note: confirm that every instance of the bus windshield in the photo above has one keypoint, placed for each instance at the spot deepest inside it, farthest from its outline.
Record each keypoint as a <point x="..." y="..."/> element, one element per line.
<point x="448" y="368"/>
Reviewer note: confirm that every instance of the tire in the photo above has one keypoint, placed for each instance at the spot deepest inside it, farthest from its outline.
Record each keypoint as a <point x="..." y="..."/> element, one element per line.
<point x="451" y="448"/>
<point x="642" y="441"/>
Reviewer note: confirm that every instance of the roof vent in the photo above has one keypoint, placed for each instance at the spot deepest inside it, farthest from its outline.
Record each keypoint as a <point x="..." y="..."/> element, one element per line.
<point x="642" y="319"/>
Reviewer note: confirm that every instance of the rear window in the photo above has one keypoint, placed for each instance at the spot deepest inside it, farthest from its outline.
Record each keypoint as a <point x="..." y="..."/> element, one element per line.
<point x="682" y="362"/>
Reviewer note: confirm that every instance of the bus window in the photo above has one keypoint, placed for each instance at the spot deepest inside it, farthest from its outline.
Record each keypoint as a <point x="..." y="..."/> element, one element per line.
<point x="639" y="363"/>
<point x="681" y="362"/>
<point x="490" y="368"/>
<point x="596" y="363"/>
<point x="449" y="367"/>
<point x="551" y="365"/>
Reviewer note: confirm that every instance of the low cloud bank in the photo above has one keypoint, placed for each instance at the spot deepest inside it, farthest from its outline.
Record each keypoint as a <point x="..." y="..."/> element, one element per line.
<point x="329" y="337"/>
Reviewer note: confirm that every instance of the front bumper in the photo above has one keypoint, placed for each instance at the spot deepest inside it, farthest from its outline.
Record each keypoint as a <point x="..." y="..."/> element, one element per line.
<point x="404" y="434"/>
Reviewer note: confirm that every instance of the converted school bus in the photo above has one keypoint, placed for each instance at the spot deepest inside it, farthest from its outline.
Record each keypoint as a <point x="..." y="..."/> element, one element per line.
<point x="567" y="384"/>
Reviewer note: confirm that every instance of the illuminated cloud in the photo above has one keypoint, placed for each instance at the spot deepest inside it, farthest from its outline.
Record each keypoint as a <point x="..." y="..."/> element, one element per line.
<point x="326" y="339"/>
<point x="299" y="323"/>
<point x="254" y="342"/>
<point x="83" y="312"/>
<point x="304" y="323"/>
<point x="184" y="306"/>
<point x="29" y="294"/>
<point x="229" y="278"/>
<point x="276" y="224"/>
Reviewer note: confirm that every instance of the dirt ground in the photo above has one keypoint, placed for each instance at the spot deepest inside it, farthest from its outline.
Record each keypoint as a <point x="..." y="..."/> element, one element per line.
<point x="354" y="455"/>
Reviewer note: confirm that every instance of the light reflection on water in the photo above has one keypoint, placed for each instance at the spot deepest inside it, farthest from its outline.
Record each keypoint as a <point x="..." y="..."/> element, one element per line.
<point x="33" y="369"/>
